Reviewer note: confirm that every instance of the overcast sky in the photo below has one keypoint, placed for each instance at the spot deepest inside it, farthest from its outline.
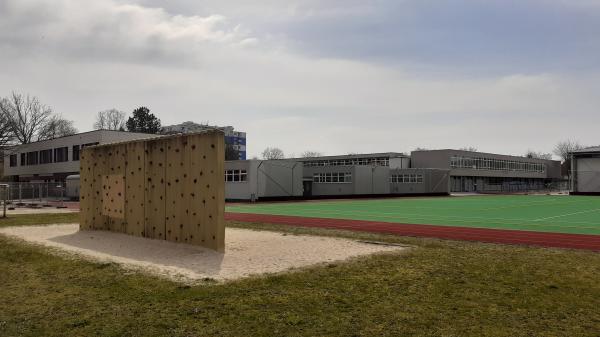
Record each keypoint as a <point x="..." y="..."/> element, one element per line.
<point x="334" y="76"/>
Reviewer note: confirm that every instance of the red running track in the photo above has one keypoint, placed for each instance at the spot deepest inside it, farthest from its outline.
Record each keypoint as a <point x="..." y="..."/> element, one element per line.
<point x="504" y="236"/>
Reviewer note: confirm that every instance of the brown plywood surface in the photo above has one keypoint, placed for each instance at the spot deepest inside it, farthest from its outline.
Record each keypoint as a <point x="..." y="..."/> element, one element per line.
<point x="210" y="181"/>
<point x="135" y="185"/>
<point x="116" y="168"/>
<point x="113" y="196"/>
<point x="154" y="187"/>
<point x="169" y="188"/>
<point x="99" y="163"/>
<point x="86" y="199"/>
<point x="177" y="206"/>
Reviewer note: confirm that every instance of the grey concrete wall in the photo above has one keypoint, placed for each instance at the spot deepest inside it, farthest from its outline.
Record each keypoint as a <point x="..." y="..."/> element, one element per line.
<point x="587" y="175"/>
<point x="399" y="163"/>
<point x="441" y="159"/>
<point x="241" y="190"/>
<point x="363" y="180"/>
<point x="434" y="181"/>
<point x="265" y="178"/>
<point x="331" y="189"/>
<point x="279" y="178"/>
<point x="430" y="159"/>
<point x="381" y="180"/>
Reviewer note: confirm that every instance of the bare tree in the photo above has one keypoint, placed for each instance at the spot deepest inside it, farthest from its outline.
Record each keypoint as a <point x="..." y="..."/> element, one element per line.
<point x="538" y="155"/>
<point x="272" y="153"/>
<point x="562" y="149"/>
<point x="25" y="115"/>
<point x="310" y="154"/>
<point x="6" y="133"/>
<point x="111" y="119"/>
<point x="468" y="148"/>
<point x="56" y="127"/>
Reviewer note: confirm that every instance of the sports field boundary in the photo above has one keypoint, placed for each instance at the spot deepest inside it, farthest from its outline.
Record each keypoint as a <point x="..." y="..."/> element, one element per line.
<point x="502" y="236"/>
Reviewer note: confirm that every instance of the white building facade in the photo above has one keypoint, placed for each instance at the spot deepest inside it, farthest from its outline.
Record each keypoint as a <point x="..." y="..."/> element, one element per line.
<point x="55" y="159"/>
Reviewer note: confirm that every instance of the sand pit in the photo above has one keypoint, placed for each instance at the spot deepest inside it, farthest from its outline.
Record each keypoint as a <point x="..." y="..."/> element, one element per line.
<point x="247" y="252"/>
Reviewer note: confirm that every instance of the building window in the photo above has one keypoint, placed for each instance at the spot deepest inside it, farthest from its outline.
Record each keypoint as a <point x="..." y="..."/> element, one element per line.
<point x="495" y="164"/>
<point x="46" y="156"/>
<point x="380" y="161"/>
<point x="61" y="154"/>
<point x="406" y="178"/>
<point x="23" y="159"/>
<point x="32" y="158"/>
<point x="236" y="175"/>
<point x="75" y="152"/>
<point x="13" y="160"/>
<point x="333" y="177"/>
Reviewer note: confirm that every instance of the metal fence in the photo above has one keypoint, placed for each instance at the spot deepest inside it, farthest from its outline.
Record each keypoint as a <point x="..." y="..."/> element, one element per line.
<point x="524" y="187"/>
<point x="22" y="192"/>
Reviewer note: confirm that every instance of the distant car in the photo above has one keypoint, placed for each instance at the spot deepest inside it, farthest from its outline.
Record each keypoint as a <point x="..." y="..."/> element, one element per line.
<point x="73" y="187"/>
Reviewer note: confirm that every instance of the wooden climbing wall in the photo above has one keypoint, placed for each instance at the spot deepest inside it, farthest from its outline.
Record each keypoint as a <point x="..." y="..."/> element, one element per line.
<point x="169" y="188"/>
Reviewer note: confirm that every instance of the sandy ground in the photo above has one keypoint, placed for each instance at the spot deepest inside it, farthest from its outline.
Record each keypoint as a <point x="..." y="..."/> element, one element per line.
<point x="247" y="252"/>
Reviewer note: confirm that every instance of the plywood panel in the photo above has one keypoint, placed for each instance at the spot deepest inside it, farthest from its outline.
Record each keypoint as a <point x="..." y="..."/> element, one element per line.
<point x="169" y="188"/>
<point x="215" y="191"/>
<point x="196" y="201"/>
<point x="154" y="188"/>
<point x="99" y="163"/>
<point x="113" y="197"/>
<point x="134" y="203"/>
<point x="204" y="182"/>
<point x="86" y="198"/>
<point x="116" y="169"/>
<point x="177" y="203"/>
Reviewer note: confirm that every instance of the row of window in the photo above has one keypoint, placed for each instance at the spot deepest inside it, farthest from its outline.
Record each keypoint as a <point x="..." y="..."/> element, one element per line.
<point x="406" y="178"/>
<point x="236" y="175"/>
<point x="56" y="155"/>
<point x="495" y="164"/>
<point x="333" y="177"/>
<point x="381" y="161"/>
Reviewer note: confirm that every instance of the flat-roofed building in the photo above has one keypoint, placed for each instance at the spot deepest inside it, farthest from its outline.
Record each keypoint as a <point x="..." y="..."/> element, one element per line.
<point x="388" y="159"/>
<point x="55" y="159"/>
<point x="585" y="171"/>
<point x="487" y="172"/>
<point x="263" y="179"/>
<point x="372" y="174"/>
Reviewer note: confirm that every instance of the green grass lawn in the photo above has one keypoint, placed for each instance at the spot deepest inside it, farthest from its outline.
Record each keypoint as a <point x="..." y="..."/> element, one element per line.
<point x="439" y="288"/>
<point x="560" y="214"/>
<point x="39" y="219"/>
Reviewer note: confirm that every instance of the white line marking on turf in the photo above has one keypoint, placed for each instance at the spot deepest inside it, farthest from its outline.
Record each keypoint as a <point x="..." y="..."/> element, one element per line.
<point x="562" y="215"/>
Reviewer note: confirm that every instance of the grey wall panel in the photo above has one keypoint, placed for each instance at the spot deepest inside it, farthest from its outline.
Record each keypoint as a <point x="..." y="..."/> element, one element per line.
<point x="588" y="175"/>
<point x="363" y="180"/>
<point x="241" y="190"/>
<point x="279" y="178"/>
<point x="440" y="159"/>
<point x="381" y="180"/>
<point x="434" y="181"/>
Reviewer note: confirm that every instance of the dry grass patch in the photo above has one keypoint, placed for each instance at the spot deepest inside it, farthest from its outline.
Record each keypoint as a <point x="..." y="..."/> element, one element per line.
<point x="440" y="288"/>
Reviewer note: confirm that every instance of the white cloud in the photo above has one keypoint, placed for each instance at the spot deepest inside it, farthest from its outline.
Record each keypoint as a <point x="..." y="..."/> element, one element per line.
<point x="82" y="57"/>
<point x="105" y="29"/>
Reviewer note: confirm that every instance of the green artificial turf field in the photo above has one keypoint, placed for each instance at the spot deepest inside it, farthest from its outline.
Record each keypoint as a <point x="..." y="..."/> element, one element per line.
<point x="543" y="213"/>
